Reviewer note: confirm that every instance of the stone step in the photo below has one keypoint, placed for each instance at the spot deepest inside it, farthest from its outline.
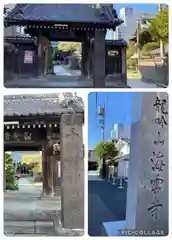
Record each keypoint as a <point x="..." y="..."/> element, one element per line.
<point x="42" y="215"/>
<point x="28" y="227"/>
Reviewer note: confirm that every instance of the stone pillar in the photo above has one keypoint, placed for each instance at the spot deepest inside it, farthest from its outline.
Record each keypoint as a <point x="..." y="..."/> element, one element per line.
<point x="124" y="66"/>
<point x="84" y="65"/>
<point x="148" y="168"/>
<point x="72" y="169"/>
<point x="99" y="59"/>
<point x="147" y="193"/>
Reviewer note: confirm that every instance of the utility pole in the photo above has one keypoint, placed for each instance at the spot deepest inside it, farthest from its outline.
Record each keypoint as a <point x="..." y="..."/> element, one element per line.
<point x="161" y="42"/>
<point x="138" y="42"/>
<point x="101" y="114"/>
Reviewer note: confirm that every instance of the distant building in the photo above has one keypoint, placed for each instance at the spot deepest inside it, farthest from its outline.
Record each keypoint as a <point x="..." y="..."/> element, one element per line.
<point x="120" y="135"/>
<point x="130" y="17"/>
<point x="123" y="165"/>
<point x="123" y="147"/>
<point x="120" y="131"/>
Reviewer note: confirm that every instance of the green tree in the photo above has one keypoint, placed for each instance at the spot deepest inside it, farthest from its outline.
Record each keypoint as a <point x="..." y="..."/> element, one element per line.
<point x="68" y="46"/>
<point x="9" y="173"/>
<point x="131" y="49"/>
<point x="159" y="25"/>
<point x="105" y="150"/>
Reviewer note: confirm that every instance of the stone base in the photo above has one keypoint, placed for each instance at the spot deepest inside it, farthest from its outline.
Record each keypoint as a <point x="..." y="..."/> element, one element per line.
<point x="113" y="229"/>
<point x="119" y="228"/>
<point x="58" y="231"/>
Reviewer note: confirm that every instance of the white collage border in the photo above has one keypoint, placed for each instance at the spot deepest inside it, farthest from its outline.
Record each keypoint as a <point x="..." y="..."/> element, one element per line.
<point x="84" y="93"/>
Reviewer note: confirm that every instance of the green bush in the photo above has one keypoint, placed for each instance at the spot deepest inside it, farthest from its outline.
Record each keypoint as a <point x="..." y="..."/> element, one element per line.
<point x="10" y="181"/>
<point x="132" y="64"/>
<point x="12" y="186"/>
<point x="149" y="47"/>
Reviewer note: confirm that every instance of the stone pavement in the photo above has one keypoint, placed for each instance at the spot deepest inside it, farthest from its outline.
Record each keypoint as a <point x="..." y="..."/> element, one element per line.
<point x="25" y="214"/>
<point x="66" y="78"/>
<point x="106" y="202"/>
<point x="135" y="83"/>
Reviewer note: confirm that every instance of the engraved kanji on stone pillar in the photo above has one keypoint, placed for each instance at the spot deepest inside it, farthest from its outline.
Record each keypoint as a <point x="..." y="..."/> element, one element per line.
<point x="72" y="170"/>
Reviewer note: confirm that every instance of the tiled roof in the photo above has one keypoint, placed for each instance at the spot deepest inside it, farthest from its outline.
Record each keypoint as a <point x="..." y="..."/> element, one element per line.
<point x="85" y="13"/>
<point x="40" y="104"/>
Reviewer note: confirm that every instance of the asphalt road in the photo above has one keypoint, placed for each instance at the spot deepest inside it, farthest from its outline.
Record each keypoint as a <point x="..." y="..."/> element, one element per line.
<point x="106" y="202"/>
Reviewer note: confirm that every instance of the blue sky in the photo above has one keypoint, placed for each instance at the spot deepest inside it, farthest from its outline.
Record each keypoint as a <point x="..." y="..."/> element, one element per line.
<point x="140" y="7"/>
<point x="143" y="7"/>
<point x="118" y="110"/>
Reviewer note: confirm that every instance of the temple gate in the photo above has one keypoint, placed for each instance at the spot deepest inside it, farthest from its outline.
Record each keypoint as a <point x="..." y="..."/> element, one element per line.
<point x="83" y="23"/>
<point x="51" y="123"/>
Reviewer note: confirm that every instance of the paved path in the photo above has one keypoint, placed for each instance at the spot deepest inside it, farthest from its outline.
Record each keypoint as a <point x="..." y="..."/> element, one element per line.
<point x="135" y="83"/>
<point x="61" y="70"/>
<point x="66" y="78"/>
<point x="25" y="214"/>
<point x="106" y="202"/>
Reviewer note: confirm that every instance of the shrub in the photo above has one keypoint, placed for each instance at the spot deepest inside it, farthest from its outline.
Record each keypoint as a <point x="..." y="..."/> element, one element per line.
<point x="10" y="181"/>
<point x="132" y="64"/>
<point x="149" y="47"/>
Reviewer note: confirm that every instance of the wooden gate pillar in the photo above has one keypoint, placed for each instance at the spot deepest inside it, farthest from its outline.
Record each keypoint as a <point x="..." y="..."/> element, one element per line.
<point x="53" y="165"/>
<point x="99" y="59"/>
<point x="84" y="65"/>
<point x="124" y="66"/>
<point x="44" y="170"/>
<point x="43" y="44"/>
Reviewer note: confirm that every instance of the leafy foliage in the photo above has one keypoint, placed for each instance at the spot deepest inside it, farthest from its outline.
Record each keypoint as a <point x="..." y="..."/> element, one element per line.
<point x="106" y="150"/>
<point x="149" y="47"/>
<point x="132" y="64"/>
<point x="157" y="29"/>
<point x="68" y="46"/>
<point x="33" y="161"/>
<point x="159" y="25"/>
<point x="9" y="173"/>
<point x="131" y="49"/>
